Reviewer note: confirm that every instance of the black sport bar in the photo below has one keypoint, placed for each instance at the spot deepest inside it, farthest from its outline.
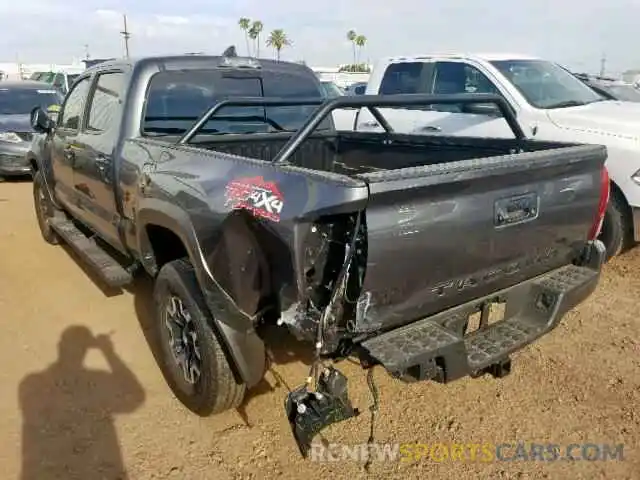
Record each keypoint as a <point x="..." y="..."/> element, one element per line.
<point x="270" y="102"/>
<point x="371" y="102"/>
<point x="400" y="100"/>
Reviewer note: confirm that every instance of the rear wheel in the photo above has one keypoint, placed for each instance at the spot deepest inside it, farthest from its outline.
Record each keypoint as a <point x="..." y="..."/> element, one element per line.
<point x="193" y="361"/>
<point x="44" y="208"/>
<point x="616" y="227"/>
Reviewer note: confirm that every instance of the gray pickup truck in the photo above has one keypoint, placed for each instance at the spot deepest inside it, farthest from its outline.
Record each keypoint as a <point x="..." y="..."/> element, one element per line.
<point x="225" y="180"/>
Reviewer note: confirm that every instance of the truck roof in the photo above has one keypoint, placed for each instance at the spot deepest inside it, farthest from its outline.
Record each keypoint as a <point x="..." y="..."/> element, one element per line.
<point x="177" y="62"/>
<point x="485" y="57"/>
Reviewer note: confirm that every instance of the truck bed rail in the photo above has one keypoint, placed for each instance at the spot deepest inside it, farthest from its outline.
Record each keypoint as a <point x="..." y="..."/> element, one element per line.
<point x="371" y="102"/>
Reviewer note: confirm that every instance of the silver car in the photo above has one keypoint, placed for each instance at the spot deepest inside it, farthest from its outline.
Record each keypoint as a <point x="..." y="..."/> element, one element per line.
<point x="17" y="99"/>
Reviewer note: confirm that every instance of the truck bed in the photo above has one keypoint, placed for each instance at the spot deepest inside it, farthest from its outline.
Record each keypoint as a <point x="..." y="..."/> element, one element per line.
<point x="433" y="223"/>
<point x="355" y="153"/>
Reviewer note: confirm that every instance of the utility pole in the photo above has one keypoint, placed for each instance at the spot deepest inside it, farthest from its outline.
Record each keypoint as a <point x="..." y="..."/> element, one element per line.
<point x="126" y="35"/>
<point x="86" y="51"/>
<point x="603" y="63"/>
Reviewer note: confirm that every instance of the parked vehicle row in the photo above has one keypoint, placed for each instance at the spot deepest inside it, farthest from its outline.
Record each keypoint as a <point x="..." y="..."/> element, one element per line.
<point x="549" y="103"/>
<point x="60" y="80"/>
<point x="226" y="181"/>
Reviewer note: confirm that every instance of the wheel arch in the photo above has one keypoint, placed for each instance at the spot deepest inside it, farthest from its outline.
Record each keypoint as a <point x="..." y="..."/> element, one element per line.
<point x="158" y="220"/>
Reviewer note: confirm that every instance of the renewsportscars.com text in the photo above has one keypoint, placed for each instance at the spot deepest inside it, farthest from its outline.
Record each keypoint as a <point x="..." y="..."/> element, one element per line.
<point x="467" y="452"/>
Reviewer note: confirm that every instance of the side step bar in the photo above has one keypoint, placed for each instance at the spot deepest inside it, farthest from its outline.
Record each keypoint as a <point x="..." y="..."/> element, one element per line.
<point x="428" y="350"/>
<point x="105" y="266"/>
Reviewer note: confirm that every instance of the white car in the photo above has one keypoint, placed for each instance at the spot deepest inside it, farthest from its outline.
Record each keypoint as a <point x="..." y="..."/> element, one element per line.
<point x="549" y="102"/>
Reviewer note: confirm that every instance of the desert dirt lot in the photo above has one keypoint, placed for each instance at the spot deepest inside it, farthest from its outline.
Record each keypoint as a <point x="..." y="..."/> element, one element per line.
<point x="579" y="384"/>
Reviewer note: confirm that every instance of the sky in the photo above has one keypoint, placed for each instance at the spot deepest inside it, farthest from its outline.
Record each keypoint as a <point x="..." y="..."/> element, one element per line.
<point x="575" y="33"/>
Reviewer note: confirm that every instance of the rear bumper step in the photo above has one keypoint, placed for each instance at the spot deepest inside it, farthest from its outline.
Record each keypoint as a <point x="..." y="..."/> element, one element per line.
<point x="426" y="349"/>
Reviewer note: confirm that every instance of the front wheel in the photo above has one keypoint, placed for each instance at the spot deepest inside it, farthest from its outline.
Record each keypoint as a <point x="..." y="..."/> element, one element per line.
<point x="194" y="363"/>
<point x="616" y="227"/>
<point x="45" y="210"/>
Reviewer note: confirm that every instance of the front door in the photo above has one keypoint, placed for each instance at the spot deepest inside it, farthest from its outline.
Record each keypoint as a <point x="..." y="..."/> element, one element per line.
<point x="483" y="120"/>
<point x="64" y="142"/>
<point x="93" y="175"/>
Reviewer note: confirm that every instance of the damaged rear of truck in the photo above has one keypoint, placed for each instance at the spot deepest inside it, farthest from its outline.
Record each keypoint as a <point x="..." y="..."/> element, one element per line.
<point x="386" y="247"/>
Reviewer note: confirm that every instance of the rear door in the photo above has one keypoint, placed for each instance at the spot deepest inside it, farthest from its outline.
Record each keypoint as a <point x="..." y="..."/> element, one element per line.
<point x="400" y="78"/>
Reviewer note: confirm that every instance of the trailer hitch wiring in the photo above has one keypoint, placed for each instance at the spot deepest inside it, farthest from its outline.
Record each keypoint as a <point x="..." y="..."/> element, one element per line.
<point x="308" y="411"/>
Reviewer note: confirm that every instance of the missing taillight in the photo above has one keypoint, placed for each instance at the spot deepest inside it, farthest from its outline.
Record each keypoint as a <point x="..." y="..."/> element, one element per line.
<point x="605" y="190"/>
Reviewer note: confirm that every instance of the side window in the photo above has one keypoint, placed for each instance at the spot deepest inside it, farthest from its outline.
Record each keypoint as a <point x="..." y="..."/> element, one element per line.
<point x="458" y="78"/>
<point x="58" y="81"/>
<point x="409" y="77"/>
<point x="72" y="110"/>
<point x="292" y="86"/>
<point x="105" y="102"/>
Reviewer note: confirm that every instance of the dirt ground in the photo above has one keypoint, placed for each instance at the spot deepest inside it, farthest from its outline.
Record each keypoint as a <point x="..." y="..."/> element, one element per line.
<point x="580" y="384"/>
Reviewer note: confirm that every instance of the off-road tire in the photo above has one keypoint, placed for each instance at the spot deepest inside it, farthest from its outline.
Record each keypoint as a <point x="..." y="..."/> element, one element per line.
<point x="44" y="208"/>
<point x="616" y="229"/>
<point x="217" y="388"/>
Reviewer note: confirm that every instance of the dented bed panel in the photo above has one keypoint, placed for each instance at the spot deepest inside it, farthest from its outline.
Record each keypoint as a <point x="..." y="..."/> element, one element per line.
<point x="247" y="213"/>
<point x="443" y="235"/>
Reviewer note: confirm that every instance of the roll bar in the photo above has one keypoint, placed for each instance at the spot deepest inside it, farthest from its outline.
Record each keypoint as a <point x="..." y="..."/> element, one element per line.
<point x="265" y="102"/>
<point x="370" y="102"/>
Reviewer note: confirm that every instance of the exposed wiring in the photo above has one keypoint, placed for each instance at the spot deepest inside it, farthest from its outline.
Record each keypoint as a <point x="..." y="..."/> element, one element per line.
<point x="339" y="285"/>
<point x="373" y="408"/>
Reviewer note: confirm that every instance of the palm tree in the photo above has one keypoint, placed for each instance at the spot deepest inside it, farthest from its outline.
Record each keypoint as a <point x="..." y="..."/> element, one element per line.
<point x="254" y="34"/>
<point x="360" y="41"/>
<point x="278" y="40"/>
<point x="351" y="36"/>
<point x="245" y="23"/>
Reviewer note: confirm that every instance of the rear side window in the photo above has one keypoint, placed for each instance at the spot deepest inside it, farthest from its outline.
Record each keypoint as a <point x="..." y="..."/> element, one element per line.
<point x="406" y="77"/>
<point x="105" y="103"/>
<point x="176" y="99"/>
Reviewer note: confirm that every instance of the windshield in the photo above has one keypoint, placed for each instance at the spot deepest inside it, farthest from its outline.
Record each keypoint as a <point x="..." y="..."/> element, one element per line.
<point x="545" y="84"/>
<point x="332" y="90"/>
<point x="46" y="77"/>
<point x="626" y="93"/>
<point x="16" y="101"/>
<point x="176" y="99"/>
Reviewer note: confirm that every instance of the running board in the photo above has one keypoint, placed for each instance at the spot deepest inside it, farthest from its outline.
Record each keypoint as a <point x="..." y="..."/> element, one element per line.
<point x="428" y="350"/>
<point x="104" y="265"/>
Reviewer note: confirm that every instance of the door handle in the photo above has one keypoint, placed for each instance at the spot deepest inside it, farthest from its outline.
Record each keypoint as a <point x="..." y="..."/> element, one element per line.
<point x="430" y="128"/>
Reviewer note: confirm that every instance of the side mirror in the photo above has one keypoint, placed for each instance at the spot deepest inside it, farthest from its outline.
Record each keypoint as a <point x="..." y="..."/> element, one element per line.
<point x="490" y="109"/>
<point x="40" y="121"/>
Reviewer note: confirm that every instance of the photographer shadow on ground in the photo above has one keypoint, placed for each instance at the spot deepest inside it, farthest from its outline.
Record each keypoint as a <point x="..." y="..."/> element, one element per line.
<point x="68" y="412"/>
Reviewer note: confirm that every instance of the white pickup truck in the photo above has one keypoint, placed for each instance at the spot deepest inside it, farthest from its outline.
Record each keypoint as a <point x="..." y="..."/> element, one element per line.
<point x="549" y="102"/>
